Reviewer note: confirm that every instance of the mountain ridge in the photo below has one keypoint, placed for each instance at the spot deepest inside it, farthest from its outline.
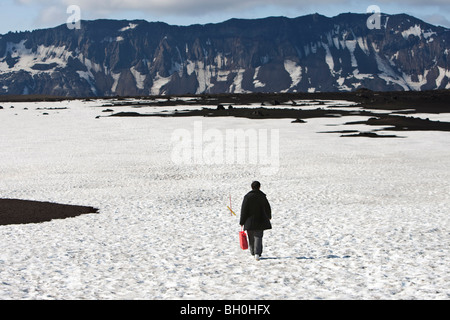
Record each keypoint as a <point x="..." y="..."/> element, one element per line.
<point x="275" y="54"/>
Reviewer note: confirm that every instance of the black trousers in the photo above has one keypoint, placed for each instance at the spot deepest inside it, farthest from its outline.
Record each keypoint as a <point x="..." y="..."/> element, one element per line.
<point x="255" y="241"/>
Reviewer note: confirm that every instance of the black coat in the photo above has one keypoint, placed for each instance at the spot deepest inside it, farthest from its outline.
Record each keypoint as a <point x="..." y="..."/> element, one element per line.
<point x="255" y="212"/>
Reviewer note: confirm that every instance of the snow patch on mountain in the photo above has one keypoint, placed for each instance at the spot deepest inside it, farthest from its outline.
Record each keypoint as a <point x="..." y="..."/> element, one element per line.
<point x="138" y="77"/>
<point x="362" y="76"/>
<point x="442" y="74"/>
<point x="222" y="75"/>
<point x="89" y="78"/>
<point x="416" y="85"/>
<point x="417" y="31"/>
<point x="237" y="82"/>
<point x="295" y="72"/>
<point x="116" y="77"/>
<point x="91" y="66"/>
<point x="203" y="73"/>
<point x="44" y="59"/>
<point x="329" y="58"/>
<point x="388" y="74"/>
<point x="362" y="42"/>
<point x="351" y="46"/>
<point x="129" y="27"/>
<point x="256" y="82"/>
<point x="220" y="60"/>
<point x="190" y="67"/>
<point x="158" y="83"/>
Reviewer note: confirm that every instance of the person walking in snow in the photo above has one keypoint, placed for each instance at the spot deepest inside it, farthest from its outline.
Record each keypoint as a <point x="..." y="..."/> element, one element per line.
<point x="255" y="218"/>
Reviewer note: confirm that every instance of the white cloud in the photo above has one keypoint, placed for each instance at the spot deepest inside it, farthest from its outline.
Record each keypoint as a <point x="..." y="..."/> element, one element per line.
<point x="437" y="19"/>
<point x="51" y="15"/>
<point x="171" y="7"/>
<point x="162" y="9"/>
<point x="207" y="6"/>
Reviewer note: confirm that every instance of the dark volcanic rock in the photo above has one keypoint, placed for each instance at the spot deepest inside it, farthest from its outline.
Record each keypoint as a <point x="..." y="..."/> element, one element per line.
<point x="370" y="135"/>
<point x="14" y="211"/>
<point x="402" y="123"/>
<point x="298" y="121"/>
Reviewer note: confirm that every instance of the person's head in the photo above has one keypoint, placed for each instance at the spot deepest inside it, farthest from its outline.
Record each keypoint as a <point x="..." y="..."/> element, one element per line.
<point x="256" y="185"/>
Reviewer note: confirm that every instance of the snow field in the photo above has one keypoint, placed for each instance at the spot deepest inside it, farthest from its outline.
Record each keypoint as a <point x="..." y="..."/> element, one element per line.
<point x="353" y="218"/>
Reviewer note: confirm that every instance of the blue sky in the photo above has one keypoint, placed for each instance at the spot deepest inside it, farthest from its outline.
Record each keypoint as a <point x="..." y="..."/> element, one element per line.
<point x="20" y="15"/>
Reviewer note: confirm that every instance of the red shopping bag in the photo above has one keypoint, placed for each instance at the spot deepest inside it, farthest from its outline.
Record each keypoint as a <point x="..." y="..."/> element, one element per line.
<point x="243" y="240"/>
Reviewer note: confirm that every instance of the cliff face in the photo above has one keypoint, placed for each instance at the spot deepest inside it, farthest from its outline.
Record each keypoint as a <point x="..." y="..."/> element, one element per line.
<point x="310" y="53"/>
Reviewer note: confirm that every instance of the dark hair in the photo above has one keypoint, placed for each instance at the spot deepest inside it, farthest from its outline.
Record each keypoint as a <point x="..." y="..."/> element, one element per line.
<point x="256" y="185"/>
